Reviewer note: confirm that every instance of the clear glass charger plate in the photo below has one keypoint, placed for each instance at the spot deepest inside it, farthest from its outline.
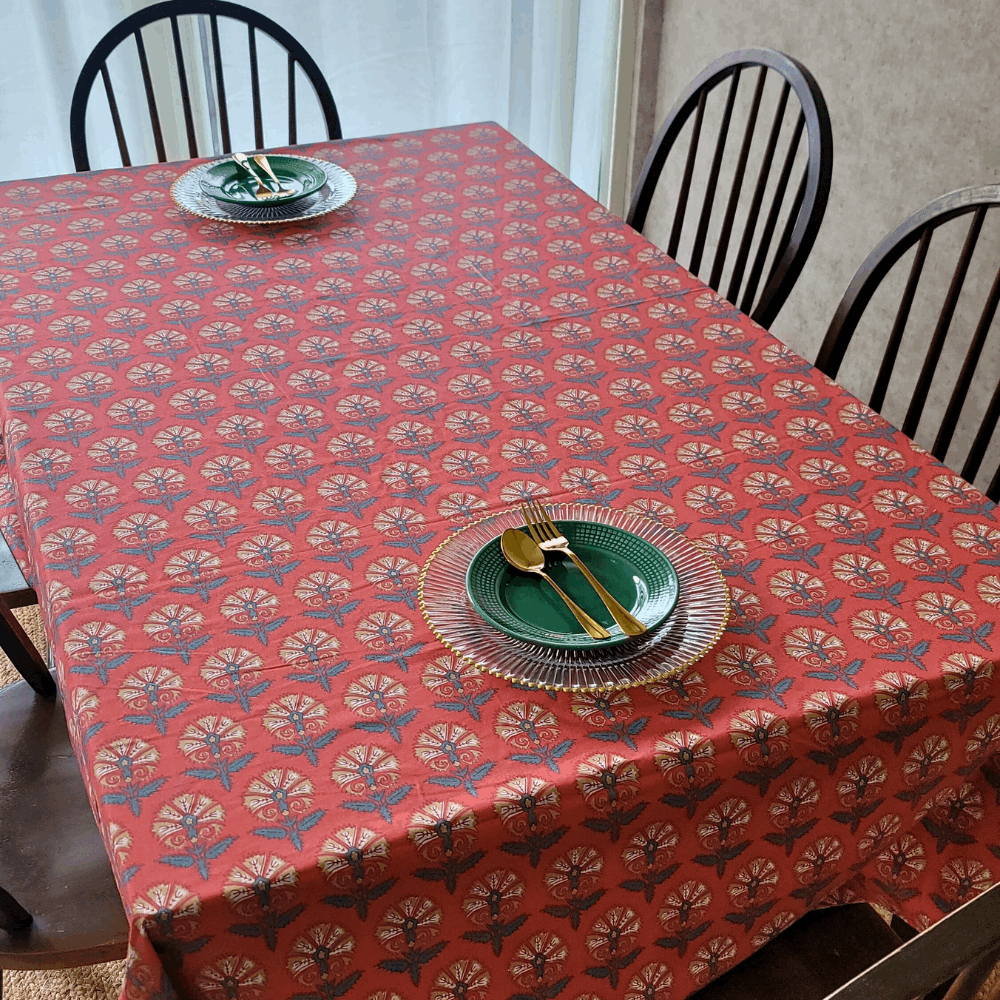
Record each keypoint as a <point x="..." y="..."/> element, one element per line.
<point x="339" y="189"/>
<point x="690" y="631"/>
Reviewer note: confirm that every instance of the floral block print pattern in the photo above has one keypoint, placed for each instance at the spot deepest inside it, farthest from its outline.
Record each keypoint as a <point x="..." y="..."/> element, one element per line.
<point x="231" y="449"/>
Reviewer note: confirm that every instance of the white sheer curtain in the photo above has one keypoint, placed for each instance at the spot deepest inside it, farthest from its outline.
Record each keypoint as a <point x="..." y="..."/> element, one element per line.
<point x="543" y="68"/>
<point x="43" y="45"/>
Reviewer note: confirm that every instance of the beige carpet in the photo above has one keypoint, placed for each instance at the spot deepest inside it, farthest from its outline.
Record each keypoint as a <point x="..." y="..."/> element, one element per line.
<point x="102" y="982"/>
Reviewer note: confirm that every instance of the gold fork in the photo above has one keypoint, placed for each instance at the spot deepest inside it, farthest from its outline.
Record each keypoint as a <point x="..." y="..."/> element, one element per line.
<point x="261" y="160"/>
<point x="551" y="539"/>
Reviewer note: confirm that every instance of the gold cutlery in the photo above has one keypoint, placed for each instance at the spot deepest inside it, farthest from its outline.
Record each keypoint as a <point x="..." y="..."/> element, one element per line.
<point x="524" y="554"/>
<point x="263" y="191"/>
<point x="550" y="539"/>
<point x="261" y="160"/>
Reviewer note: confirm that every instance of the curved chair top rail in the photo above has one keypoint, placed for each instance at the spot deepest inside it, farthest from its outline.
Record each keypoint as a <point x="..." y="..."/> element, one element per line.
<point x="97" y="64"/>
<point x="918" y="229"/>
<point x="810" y="200"/>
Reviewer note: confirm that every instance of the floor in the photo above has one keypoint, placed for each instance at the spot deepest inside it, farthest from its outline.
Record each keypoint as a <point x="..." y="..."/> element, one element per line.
<point x="102" y="982"/>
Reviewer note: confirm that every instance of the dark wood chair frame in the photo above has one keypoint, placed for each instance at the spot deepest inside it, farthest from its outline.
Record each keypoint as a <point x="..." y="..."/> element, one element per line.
<point x="97" y="64"/>
<point x="918" y="229"/>
<point x="20" y="650"/>
<point x="850" y="953"/>
<point x="959" y="951"/>
<point x="75" y="917"/>
<point x="59" y="904"/>
<point x="809" y="203"/>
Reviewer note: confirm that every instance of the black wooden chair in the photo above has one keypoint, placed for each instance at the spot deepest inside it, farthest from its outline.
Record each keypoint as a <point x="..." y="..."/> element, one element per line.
<point x="759" y="296"/>
<point x="59" y="905"/>
<point x="918" y="230"/>
<point x="850" y="953"/>
<point x="173" y="9"/>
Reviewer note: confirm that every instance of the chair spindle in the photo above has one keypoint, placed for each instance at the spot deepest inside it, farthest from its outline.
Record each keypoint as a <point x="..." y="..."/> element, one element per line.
<point x="185" y="95"/>
<point x="293" y="136"/>
<point x="978" y="450"/>
<point x="734" y="195"/>
<point x="154" y="117"/>
<point x="916" y="407"/>
<point x="258" y="124"/>
<point x="965" y="376"/>
<point x="220" y="86"/>
<point x="993" y="490"/>
<point x="682" y="197"/>
<point x="115" y="116"/>
<point x="758" y="197"/>
<point x="786" y="234"/>
<point x="713" y="175"/>
<point x="757" y="269"/>
<point x="899" y="324"/>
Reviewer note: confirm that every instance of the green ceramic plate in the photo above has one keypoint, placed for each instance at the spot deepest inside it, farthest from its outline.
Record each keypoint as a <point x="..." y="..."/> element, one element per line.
<point x="525" y="607"/>
<point x="227" y="181"/>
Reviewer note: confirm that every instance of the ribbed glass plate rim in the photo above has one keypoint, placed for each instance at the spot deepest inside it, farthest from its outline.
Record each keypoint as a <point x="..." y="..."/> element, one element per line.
<point x="689" y="632"/>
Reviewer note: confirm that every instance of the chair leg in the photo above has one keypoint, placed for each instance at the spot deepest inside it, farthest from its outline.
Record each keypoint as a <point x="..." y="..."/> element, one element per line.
<point x="22" y="653"/>
<point x="906" y="933"/>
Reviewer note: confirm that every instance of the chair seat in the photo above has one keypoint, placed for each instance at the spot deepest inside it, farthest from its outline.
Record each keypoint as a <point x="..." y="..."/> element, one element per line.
<point x="810" y="960"/>
<point x="52" y="859"/>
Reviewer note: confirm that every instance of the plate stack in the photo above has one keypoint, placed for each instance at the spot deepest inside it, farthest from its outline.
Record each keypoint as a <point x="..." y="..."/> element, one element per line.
<point x="515" y="626"/>
<point x="305" y="188"/>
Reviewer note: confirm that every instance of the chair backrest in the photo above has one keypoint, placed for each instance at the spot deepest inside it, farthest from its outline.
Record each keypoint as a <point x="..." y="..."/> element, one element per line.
<point x="918" y="230"/>
<point x="97" y="63"/>
<point x="966" y="944"/>
<point x="808" y="196"/>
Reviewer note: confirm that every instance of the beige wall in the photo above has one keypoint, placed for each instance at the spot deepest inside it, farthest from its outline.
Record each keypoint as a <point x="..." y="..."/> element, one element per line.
<point x="913" y="88"/>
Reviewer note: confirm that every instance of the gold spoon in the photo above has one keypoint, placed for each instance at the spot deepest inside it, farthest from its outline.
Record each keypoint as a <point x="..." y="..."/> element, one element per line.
<point x="524" y="554"/>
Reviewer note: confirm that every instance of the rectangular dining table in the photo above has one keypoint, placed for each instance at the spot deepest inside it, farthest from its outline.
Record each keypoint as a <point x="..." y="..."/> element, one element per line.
<point x="230" y="450"/>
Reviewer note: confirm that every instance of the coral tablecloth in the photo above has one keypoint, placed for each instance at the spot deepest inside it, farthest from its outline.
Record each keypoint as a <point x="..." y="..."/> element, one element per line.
<point x="231" y="449"/>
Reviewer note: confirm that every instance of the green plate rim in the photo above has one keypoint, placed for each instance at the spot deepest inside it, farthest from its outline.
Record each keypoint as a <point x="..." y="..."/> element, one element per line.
<point x="576" y="640"/>
<point x="213" y="190"/>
